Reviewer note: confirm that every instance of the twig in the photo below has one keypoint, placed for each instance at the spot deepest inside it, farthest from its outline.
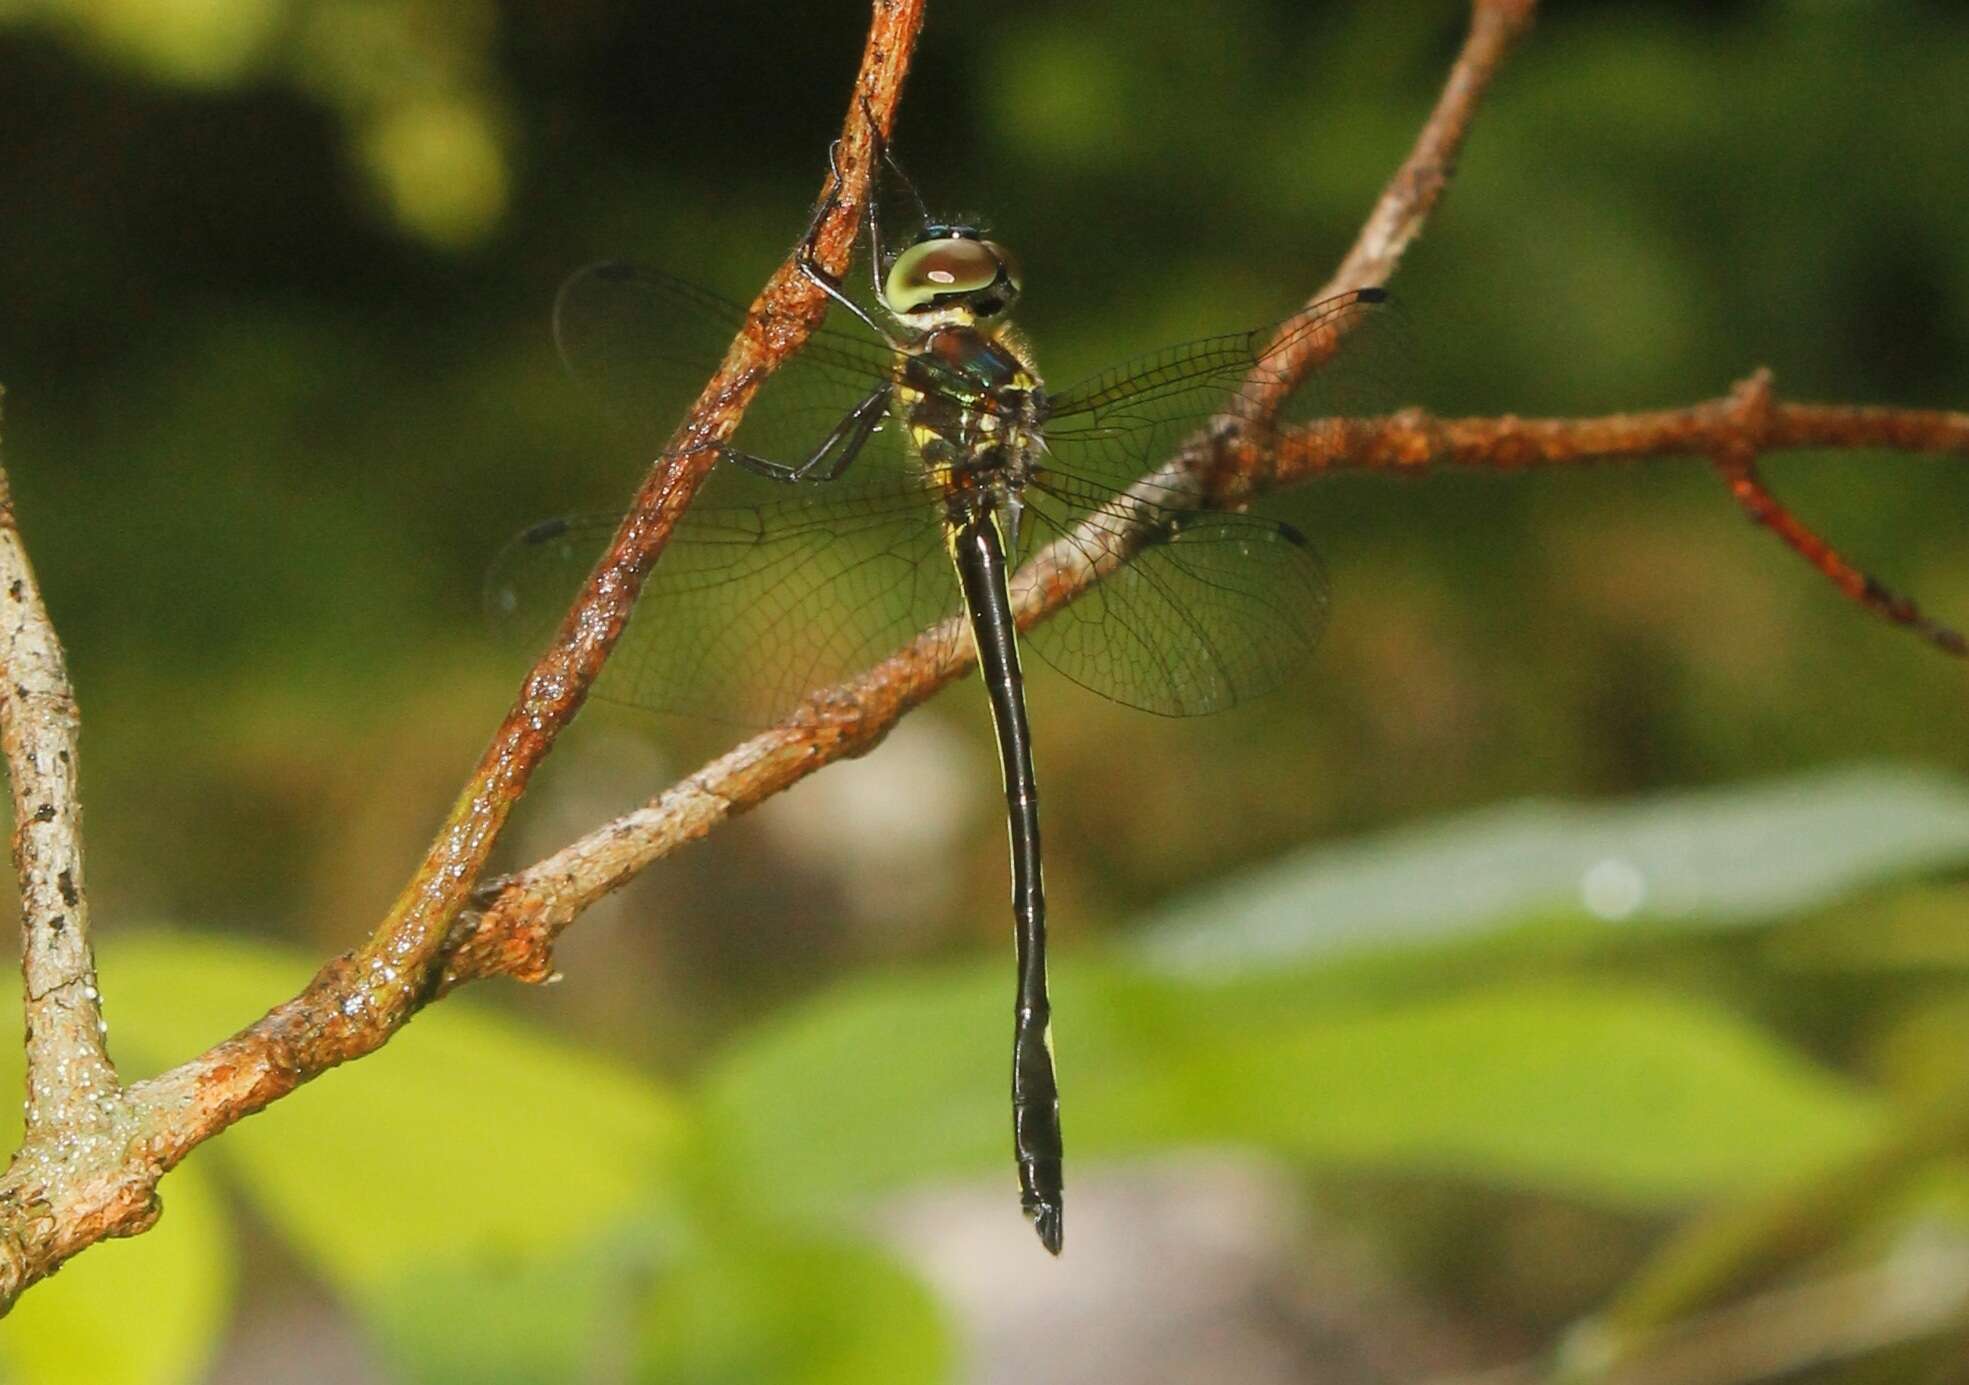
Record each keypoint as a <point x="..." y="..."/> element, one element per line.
<point x="526" y="912"/>
<point x="529" y="911"/>
<point x="425" y="946"/>
<point x="1920" y="1292"/>
<point x="1736" y="430"/>
<point x="522" y="917"/>
<point x="1736" y="463"/>
<point x="1405" y="204"/>
<point x="69" y="1074"/>
<point x="74" y="1105"/>
<point x="356" y="1002"/>
<point x="555" y="891"/>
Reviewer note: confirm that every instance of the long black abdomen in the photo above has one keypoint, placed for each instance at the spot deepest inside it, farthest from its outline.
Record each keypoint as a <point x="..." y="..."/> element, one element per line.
<point x="979" y="554"/>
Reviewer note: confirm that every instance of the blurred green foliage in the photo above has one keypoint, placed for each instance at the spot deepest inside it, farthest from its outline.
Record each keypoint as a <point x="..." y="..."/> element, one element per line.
<point x="275" y="278"/>
<point x="493" y="1204"/>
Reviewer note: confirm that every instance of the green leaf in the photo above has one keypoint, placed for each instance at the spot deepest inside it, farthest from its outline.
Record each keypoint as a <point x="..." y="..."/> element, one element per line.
<point x="874" y="1086"/>
<point x="1713" y="858"/>
<point x="1918" y="929"/>
<point x="142" y="1311"/>
<point x="463" y="1157"/>
<point x="1618" y="1093"/>
<point x="758" y="1307"/>
<point x="466" y="1135"/>
<point x="535" y="1321"/>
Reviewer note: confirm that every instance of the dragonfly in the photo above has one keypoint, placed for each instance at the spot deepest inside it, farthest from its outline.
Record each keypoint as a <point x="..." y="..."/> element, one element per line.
<point x="885" y="486"/>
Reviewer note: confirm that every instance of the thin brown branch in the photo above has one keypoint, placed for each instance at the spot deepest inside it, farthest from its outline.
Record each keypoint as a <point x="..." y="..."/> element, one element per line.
<point x="425" y="945"/>
<point x="522" y="916"/>
<point x="528" y="911"/>
<point x="524" y="913"/>
<point x="1414" y="442"/>
<point x="74" y="1104"/>
<point x="1405" y="204"/>
<point x="1736" y="463"/>
<point x="69" y="1073"/>
<point x="1766" y="509"/>
<point x="1736" y="430"/>
<point x="355" y="1003"/>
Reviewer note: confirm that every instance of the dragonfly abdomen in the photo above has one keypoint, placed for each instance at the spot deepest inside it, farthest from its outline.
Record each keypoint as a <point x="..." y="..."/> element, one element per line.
<point x="977" y="548"/>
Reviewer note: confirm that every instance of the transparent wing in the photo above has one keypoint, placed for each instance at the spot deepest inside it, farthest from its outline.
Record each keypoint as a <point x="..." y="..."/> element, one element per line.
<point x="1212" y="609"/>
<point x="1207" y="609"/>
<point x="1119" y="424"/>
<point x="767" y="590"/>
<point x="751" y="605"/>
<point x="646" y="343"/>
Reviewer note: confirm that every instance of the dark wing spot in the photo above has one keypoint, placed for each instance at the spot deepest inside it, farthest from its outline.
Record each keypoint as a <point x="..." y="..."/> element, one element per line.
<point x="545" y="531"/>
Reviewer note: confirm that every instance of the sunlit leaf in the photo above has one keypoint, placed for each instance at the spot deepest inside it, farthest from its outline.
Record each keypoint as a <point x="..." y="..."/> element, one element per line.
<point x="1915" y="930"/>
<point x="1714" y="858"/>
<point x="1617" y="1093"/>
<point x="196" y="42"/>
<point x="1621" y="1094"/>
<point x="756" y="1307"/>
<point x="874" y="1086"/>
<point x="142" y="1311"/>
<point x="467" y="1142"/>
<point x="507" y="1321"/>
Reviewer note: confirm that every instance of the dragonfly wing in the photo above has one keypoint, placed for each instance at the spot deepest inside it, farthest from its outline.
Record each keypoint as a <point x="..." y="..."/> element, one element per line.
<point x="1199" y="610"/>
<point x="1122" y="422"/>
<point x="751" y="605"/>
<point x="645" y="343"/>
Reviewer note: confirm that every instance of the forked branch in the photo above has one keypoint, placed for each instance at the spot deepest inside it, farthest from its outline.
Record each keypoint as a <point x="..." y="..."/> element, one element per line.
<point x="50" y="1209"/>
<point x="1735" y="431"/>
<point x="525" y="912"/>
<point x="426" y="945"/>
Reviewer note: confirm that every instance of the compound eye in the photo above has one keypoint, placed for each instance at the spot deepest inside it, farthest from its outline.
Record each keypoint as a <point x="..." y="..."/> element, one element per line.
<point x="1015" y="272"/>
<point x="928" y="271"/>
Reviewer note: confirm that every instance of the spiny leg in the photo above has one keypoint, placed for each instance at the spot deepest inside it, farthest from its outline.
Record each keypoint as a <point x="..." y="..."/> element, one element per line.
<point x="816" y="274"/>
<point x="837" y="451"/>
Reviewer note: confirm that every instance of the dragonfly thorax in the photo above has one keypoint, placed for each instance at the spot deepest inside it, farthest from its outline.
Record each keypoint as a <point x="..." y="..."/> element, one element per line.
<point x="972" y="404"/>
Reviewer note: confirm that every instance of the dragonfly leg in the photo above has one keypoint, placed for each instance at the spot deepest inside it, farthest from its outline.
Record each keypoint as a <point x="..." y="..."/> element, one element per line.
<point x="829" y="200"/>
<point x="837" y="451"/>
<point x="879" y="143"/>
<point x="831" y="286"/>
<point x="902" y="180"/>
<point x="827" y="283"/>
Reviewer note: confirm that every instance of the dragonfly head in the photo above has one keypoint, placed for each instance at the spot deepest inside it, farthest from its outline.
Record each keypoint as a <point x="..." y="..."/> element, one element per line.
<point x="952" y="275"/>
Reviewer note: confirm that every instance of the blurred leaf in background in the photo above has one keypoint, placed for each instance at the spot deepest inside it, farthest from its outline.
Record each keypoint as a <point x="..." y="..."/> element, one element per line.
<point x="1495" y="940"/>
<point x="492" y="1205"/>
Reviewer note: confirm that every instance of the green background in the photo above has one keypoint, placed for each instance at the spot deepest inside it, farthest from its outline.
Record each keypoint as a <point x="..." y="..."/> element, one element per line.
<point x="274" y="281"/>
